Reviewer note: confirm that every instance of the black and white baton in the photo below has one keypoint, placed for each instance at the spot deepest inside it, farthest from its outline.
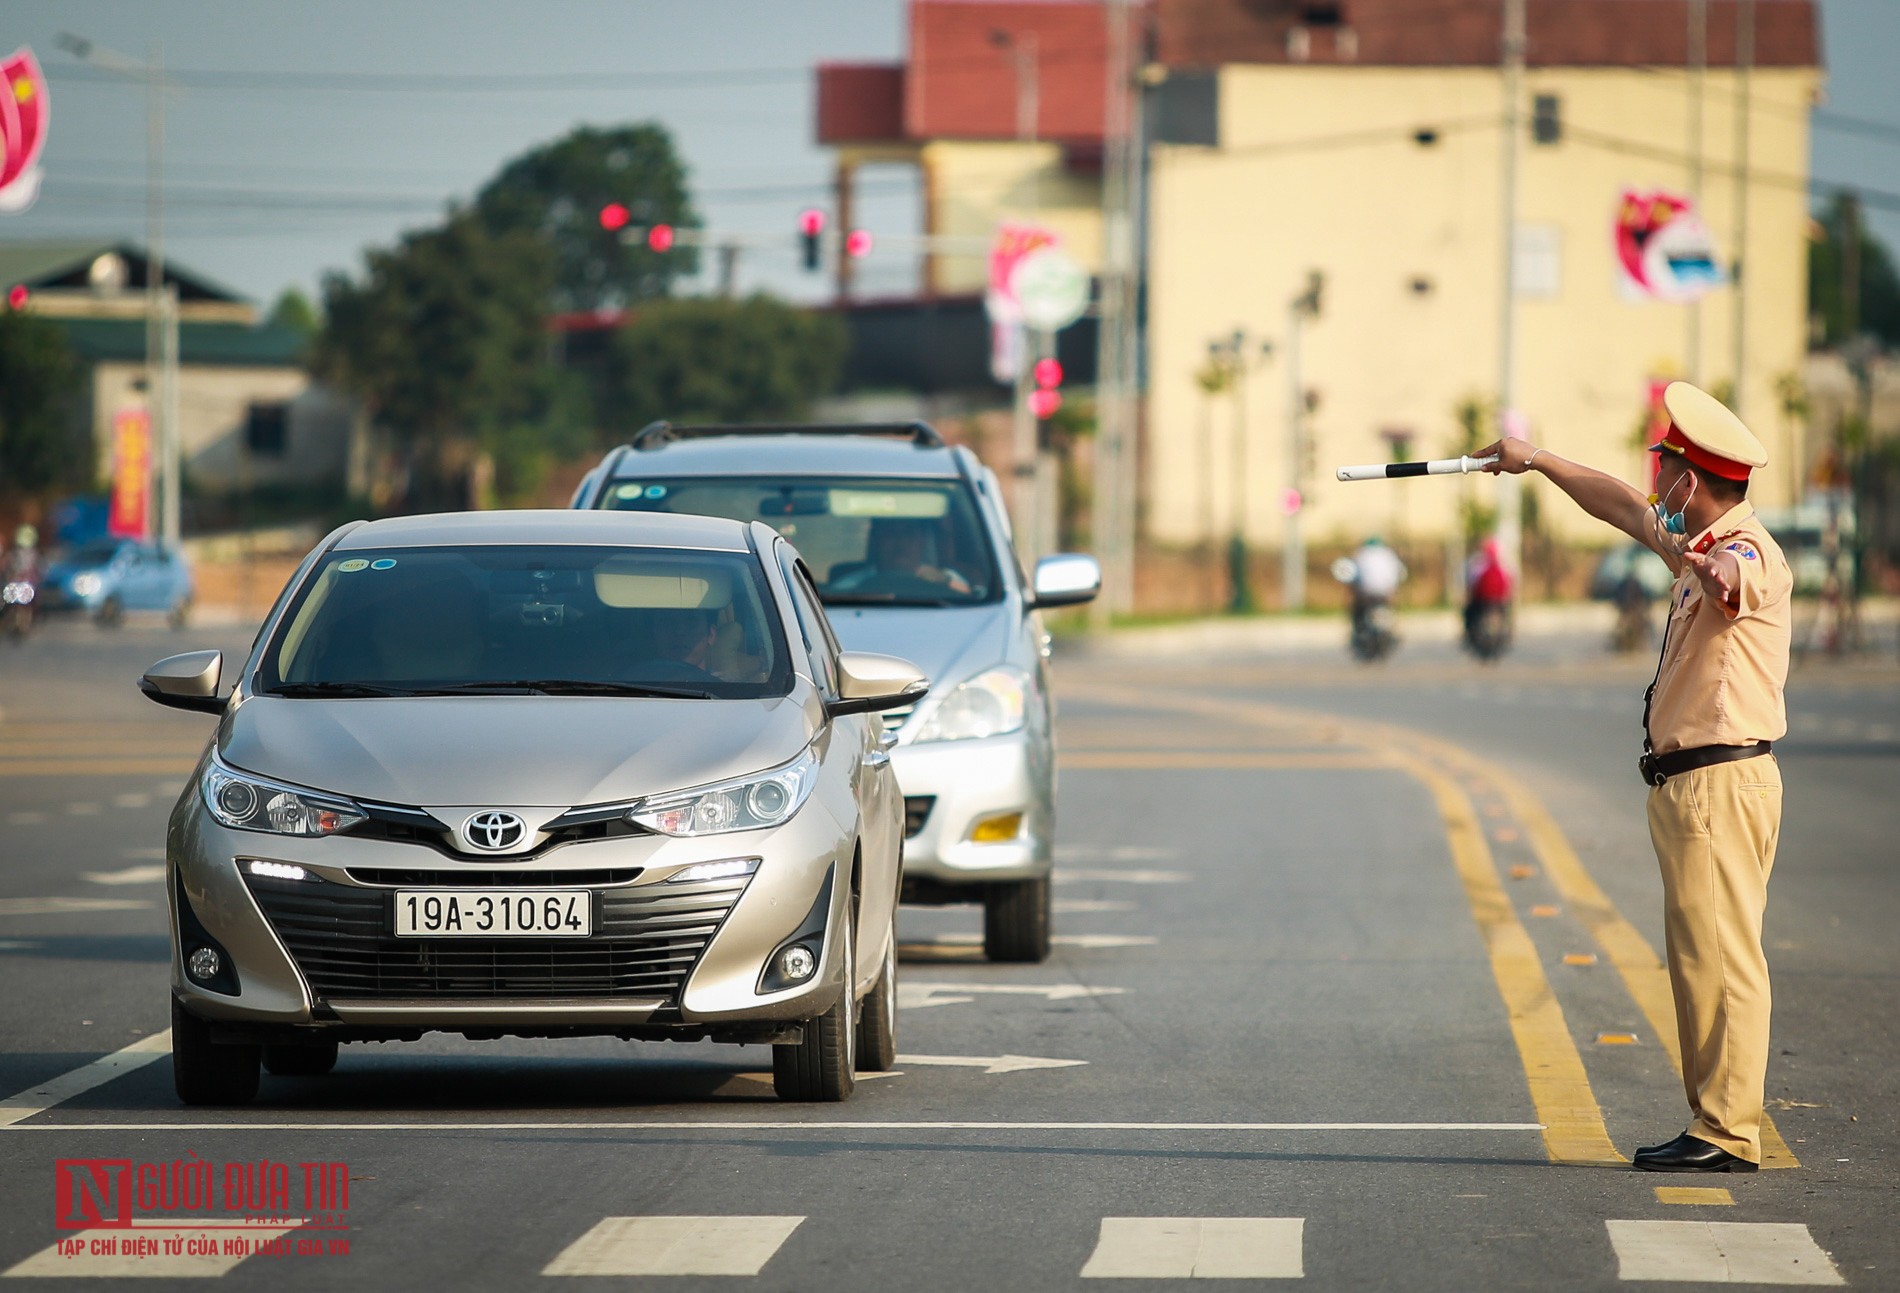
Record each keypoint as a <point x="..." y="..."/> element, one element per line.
<point x="1399" y="470"/>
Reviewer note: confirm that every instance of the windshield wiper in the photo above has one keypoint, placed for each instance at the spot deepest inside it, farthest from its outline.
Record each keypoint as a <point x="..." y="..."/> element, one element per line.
<point x="343" y="690"/>
<point x="567" y="687"/>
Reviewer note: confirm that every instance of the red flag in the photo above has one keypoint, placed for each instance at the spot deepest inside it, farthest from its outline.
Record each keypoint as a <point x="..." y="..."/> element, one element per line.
<point x="24" y="112"/>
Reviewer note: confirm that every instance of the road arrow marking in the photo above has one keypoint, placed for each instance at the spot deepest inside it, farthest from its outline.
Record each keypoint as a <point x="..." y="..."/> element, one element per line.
<point x="915" y="996"/>
<point x="991" y="1063"/>
<point x="151" y="873"/>
<point x="55" y="906"/>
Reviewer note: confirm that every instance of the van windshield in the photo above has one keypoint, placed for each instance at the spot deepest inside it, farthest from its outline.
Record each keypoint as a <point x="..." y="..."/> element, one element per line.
<point x="512" y="619"/>
<point x="868" y="541"/>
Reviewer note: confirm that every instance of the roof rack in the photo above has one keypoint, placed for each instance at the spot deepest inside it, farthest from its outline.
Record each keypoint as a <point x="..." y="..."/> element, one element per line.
<point x="654" y="435"/>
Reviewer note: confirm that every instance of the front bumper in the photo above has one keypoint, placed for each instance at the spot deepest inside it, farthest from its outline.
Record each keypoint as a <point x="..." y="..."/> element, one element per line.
<point x="665" y="959"/>
<point x="969" y="782"/>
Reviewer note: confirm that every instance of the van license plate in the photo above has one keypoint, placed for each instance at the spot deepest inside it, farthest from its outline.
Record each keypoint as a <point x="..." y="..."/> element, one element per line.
<point x="494" y="913"/>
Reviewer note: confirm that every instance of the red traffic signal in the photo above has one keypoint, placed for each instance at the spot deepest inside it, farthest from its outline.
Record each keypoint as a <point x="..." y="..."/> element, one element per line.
<point x="857" y="243"/>
<point x="1048" y="374"/>
<point x="16" y="296"/>
<point x="614" y="216"/>
<point x="1044" y="402"/>
<point x="811" y="222"/>
<point x="660" y="237"/>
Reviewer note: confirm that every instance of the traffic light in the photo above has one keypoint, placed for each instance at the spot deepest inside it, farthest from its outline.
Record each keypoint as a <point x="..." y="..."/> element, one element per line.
<point x="811" y="228"/>
<point x="17" y="296"/>
<point x="1046" y="398"/>
<point x="660" y="237"/>
<point x="614" y="217"/>
<point x="1547" y="119"/>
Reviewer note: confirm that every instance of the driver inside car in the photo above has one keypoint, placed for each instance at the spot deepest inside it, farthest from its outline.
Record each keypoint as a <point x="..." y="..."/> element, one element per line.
<point x="902" y="549"/>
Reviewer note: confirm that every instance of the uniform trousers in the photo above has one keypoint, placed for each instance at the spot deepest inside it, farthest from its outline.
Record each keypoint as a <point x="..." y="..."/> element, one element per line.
<point x="1715" y="830"/>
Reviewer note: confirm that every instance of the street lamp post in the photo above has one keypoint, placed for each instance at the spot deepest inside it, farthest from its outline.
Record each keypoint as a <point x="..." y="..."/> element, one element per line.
<point x="161" y="301"/>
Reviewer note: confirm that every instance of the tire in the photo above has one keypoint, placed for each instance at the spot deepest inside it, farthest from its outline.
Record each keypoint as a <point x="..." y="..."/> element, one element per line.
<point x="208" y="1072"/>
<point x="877" y="1016"/>
<point x="300" y="1059"/>
<point x="1016" y="922"/>
<point x="823" y="1067"/>
<point x="110" y="613"/>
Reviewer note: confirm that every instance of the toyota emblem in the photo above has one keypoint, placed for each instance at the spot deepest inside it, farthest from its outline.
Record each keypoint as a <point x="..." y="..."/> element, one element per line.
<point x="494" y="831"/>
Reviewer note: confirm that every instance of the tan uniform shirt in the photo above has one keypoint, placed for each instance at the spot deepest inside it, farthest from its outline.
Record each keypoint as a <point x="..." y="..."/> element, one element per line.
<point x="1723" y="672"/>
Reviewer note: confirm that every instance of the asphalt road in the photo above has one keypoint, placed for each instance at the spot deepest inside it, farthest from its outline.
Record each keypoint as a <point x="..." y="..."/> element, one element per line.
<point x="1355" y="982"/>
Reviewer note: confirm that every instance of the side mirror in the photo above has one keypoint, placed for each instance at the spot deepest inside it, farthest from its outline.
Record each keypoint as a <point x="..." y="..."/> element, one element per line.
<point x="869" y="682"/>
<point x="1066" y="579"/>
<point x="188" y="681"/>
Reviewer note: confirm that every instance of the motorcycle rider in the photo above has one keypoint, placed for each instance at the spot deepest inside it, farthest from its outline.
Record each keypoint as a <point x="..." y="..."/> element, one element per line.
<point x="20" y="578"/>
<point x="1377" y="574"/>
<point x="1489" y="586"/>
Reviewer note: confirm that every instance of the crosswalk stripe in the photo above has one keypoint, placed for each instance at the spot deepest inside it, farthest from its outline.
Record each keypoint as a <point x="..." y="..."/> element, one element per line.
<point x="1720" y="1252"/>
<point x="1209" y="1248"/>
<point x="142" y="1262"/>
<point x="675" y="1246"/>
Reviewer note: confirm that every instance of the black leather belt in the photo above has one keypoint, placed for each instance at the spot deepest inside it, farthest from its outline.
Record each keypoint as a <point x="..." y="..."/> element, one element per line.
<point x="1658" y="768"/>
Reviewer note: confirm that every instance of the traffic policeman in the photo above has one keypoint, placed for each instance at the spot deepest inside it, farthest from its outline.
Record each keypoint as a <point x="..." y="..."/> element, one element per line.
<point x="1709" y="719"/>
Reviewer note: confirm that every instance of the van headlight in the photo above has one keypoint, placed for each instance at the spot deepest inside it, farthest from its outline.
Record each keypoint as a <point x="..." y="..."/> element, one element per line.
<point x="742" y="804"/>
<point x="992" y="703"/>
<point x="250" y="803"/>
<point x="87" y="584"/>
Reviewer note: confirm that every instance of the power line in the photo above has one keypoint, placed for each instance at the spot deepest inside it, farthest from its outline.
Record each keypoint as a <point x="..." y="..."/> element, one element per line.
<point x="1754" y="175"/>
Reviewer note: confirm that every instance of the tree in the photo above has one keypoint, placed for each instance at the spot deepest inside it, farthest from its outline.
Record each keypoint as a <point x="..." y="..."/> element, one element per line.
<point x="44" y="445"/>
<point x="1879" y="284"/>
<point x="556" y="192"/>
<point x="293" y="310"/>
<point x="444" y="340"/>
<point x="717" y="360"/>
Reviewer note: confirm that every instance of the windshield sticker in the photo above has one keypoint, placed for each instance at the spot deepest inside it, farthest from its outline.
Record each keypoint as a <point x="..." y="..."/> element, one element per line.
<point x="656" y="491"/>
<point x="629" y="491"/>
<point x="353" y="565"/>
<point x="384" y="563"/>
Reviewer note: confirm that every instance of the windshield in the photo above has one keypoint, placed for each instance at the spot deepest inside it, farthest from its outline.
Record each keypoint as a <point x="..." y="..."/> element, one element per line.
<point x="93" y="554"/>
<point x="520" y="619"/>
<point x="867" y="541"/>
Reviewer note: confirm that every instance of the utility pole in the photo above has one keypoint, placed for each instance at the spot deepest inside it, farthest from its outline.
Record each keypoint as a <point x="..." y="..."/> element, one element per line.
<point x="1698" y="88"/>
<point x="1510" y="502"/>
<point x="1026" y="452"/>
<point x="161" y="304"/>
<point x="1744" y="108"/>
<point x="1114" y="381"/>
<point x="1293" y="547"/>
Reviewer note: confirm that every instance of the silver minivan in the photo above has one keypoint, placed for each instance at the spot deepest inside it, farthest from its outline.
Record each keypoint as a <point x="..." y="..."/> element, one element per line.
<point x="909" y="545"/>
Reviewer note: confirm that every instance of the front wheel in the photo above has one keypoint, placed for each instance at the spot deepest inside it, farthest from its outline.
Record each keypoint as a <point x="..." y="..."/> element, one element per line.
<point x="208" y="1072"/>
<point x="1016" y="921"/>
<point x="877" y="1016"/>
<point x="822" y="1068"/>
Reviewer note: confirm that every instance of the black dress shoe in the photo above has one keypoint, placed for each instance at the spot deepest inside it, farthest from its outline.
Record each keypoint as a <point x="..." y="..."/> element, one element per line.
<point x="1687" y="1153"/>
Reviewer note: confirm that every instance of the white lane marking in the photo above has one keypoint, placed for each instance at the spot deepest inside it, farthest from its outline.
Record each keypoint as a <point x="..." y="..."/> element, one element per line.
<point x="1115" y="853"/>
<point x="131" y="801"/>
<point x="28" y="818"/>
<point x="738" y="1125"/>
<point x="1090" y="906"/>
<point x="766" y="1078"/>
<point x="85" y="808"/>
<point x="1076" y="875"/>
<point x="55" y="906"/>
<point x="912" y="995"/>
<point x="150" y="873"/>
<point x="78" y="1081"/>
<point x="991" y="1063"/>
<point x="149" y="855"/>
<point x="91" y="1265"/>
<point x="1720" y="1252"/>
<point x="971" y="939"/>
<point x="675" y="1246"/>
<point x="1208" y="1248"/>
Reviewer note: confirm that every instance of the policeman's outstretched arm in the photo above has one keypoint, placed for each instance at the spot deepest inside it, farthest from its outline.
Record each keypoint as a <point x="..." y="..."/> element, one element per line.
<point x="1602" y="495"/>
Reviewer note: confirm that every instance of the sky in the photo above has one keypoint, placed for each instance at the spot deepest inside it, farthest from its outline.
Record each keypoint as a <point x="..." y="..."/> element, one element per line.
<point x="322" y="127"/>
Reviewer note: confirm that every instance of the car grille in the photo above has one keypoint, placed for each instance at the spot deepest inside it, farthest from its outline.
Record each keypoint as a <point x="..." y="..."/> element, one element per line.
<point x="645" y="942"/>
<point x="917" y="812"/>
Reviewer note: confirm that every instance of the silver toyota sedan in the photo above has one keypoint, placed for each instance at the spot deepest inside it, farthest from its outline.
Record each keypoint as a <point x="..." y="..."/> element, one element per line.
<point x="910" y="548"/>
<point x="539" y="774"/>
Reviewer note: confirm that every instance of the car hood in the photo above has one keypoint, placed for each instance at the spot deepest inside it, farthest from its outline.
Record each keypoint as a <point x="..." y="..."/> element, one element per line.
<point x="949" y="643"/>
<point x="516" y="751"/>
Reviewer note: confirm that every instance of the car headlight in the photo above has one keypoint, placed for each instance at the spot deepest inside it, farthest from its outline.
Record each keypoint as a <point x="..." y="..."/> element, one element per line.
<point x="87" y="584"/>
<point x="249" y="803"/>
<point x="992" y="703"/>
<point x="741" y="804"/>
